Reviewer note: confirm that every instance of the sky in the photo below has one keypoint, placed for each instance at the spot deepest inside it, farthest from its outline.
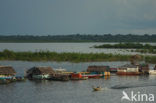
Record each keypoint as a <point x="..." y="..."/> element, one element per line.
<point x="55" y="17"/>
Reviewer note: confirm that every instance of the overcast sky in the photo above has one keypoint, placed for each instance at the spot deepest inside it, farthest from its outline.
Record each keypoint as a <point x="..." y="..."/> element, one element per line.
<point x="77" y="16"/>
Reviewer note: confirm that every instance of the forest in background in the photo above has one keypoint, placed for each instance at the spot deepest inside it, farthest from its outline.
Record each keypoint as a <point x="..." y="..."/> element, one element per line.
<point x="78" y="38"/>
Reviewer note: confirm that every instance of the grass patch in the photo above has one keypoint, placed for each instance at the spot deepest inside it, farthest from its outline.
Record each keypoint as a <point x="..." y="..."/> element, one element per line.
<point x="71" y="57"/>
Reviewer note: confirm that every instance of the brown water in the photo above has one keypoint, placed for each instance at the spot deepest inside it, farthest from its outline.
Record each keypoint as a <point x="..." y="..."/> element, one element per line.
<point x="73" y="91"/>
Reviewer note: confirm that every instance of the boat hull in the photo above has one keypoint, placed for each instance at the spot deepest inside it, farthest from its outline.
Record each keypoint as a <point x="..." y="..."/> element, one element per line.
<point x="128" y="73"/>
<point x="97" y="89"/>
<point x="152" y="72"/>
<point x="93" y="75"/>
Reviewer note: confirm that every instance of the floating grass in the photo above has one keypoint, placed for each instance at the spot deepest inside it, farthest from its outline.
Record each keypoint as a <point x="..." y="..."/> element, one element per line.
<point x="71" y="57"/>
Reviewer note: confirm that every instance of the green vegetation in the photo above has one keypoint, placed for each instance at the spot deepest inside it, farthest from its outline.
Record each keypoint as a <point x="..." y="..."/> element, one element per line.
<point x="142" y="48"/>
<point x="127" y="46"/>
<point x="71" y="57"/>
<point x="150" y="59"/>
<point x="79" y="38"/>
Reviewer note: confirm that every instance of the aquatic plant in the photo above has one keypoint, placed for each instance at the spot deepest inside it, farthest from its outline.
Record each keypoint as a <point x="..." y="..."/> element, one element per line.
<point x="127" y="46"/>
<point x="71" y="57"/>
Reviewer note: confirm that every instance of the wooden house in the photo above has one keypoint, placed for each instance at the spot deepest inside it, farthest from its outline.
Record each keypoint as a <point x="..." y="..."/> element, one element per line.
<point x="42" y="72"/>
<point x="7" y="72"/>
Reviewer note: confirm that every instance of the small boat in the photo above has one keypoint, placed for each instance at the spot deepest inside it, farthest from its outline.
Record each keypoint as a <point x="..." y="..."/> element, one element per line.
<point x="97" y="88"/>
<point x="20" y="78"/>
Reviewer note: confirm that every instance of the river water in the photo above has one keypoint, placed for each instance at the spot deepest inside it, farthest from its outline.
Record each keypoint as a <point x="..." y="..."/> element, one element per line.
<point x="71" y="91"/>
<point x="63" y="47"/>
<point x="75" y="91"/>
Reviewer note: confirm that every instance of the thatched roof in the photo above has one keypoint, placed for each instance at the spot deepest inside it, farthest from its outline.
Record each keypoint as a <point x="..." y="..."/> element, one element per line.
<point x="41" y="70"/>
<point x="98" y="68"/>
<point x="7" y="70"/>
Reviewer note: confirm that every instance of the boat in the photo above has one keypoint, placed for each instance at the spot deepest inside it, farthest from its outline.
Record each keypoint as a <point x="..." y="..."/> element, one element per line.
<point x="128" y="69"/>
<point x="78" y="76"/>
<point x="152" y="72"/>
<point x="93" y="75"/>
<point x="128" y="73"/>
<point x="20" y="78"/>
<point x="97" y="88"/>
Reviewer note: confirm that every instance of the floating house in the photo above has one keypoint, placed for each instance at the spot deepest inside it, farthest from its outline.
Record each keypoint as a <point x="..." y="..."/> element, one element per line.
<point x="128" y="69"/>
<point x="42" y="72"/>
<point x="7" y="72"/>
<point x="98" y="71"/>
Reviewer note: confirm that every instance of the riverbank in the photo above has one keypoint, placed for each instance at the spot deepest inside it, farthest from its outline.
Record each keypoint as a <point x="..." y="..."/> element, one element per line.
<point x="71" y="57"/>
<point x="135" y="47"/>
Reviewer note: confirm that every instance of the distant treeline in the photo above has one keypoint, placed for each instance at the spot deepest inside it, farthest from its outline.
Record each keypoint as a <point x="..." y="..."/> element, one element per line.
<point x="70" y="57"/>
<point x="126" y="46"/>
<point x="80" y="38"/>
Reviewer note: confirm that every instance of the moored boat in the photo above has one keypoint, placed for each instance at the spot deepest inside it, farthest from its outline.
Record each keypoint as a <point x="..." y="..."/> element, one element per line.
<point x="78" y="76"/>
<point x="93" y="75"/>
<point x="128" y="70"/>
<point x="128" y="73"/>
<point x="20" y="78"/>
<point x="152" y="72"/>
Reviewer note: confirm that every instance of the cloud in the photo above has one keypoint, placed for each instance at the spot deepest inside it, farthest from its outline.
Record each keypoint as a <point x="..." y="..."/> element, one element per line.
<point x="77" y="16"/>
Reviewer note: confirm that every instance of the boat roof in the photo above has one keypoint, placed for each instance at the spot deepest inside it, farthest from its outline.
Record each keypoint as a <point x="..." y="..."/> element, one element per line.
<point x="128" y="66"/>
